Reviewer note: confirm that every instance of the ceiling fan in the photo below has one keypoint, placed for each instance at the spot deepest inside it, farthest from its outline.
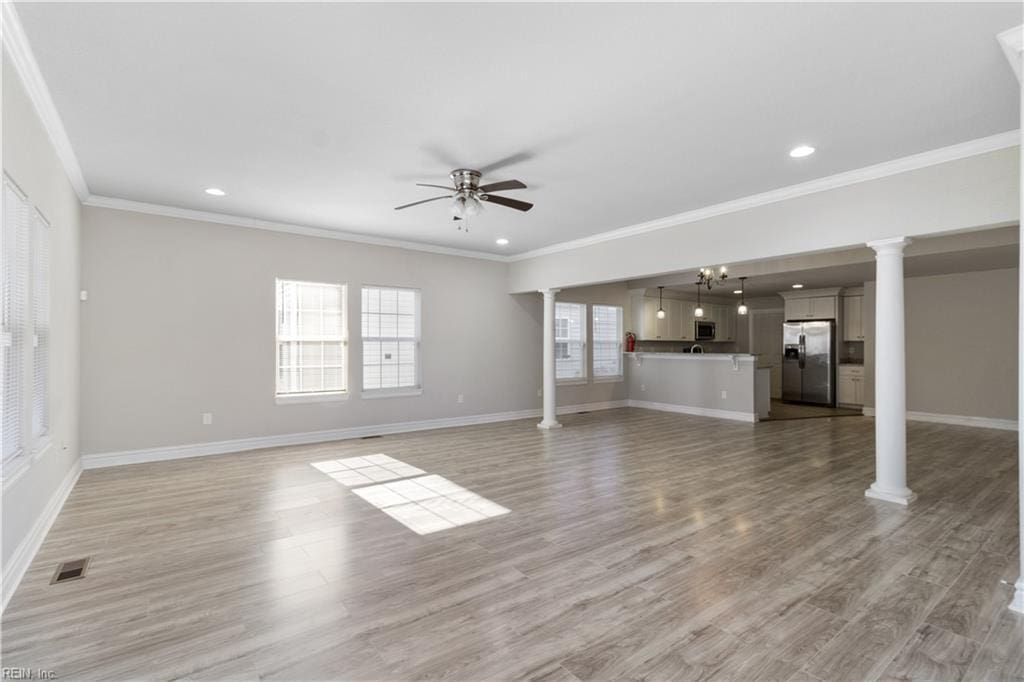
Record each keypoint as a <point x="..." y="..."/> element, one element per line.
<point x="468" y="195"/>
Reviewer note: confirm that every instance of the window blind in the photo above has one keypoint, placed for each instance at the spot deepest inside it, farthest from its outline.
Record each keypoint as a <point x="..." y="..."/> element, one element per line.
<point x="607" y="351"/>
<point x="391" y="338"/>
<point x="40" y="326"/>
<point x="570" y="340"/>
<point x="15" y="254"/>
<point x="310" y="337"/>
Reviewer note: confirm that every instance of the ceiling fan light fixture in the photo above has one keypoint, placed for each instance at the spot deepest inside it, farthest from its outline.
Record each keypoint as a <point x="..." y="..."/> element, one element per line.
<point x="466" y="206"/>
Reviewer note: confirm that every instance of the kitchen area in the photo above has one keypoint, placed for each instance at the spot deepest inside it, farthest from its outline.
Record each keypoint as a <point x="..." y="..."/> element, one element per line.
<point x="790" y="354"/>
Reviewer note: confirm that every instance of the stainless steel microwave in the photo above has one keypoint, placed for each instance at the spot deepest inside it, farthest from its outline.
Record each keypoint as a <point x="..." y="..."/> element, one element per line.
<point x="704" y="331"/>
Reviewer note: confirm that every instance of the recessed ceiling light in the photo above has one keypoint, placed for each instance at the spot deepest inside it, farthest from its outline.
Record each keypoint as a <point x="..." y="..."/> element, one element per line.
<point x="737" y="292"/>
<point x="501" y="241"/>
<point x="214" y="191"/>
<point x="801" y="151"/>
<point x="798" y="286"/>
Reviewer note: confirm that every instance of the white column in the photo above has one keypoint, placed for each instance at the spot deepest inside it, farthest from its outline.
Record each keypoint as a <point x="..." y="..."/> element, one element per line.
<point x="549" y="421"/>
<point x="890" y="375"/>
<point x="1018" y="596"/>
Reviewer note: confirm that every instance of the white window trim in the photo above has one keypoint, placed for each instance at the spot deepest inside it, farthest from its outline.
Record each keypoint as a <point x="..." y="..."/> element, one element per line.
<point x="610" y="379"/>
<point x="401" y="391"/>
<point x="584" y="347"/>
<point x="41" y="439"/>
<point x="405" y="392"/>
<point x="325" y="397"/>
<point x="313" y="396"/>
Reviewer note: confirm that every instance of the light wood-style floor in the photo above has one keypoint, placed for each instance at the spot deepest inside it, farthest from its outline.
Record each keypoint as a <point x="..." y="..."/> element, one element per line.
<point x="639" y="545"/>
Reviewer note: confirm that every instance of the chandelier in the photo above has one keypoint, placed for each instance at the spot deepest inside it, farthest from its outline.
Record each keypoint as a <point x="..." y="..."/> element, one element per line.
<point x="708" y="278"/>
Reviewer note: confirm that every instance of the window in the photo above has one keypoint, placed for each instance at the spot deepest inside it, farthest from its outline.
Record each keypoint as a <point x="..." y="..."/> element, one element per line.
<point x="310" y="338"/>
<point x="570" y="341"/>
<point x="15" y="250"/>
<point x="40" y="326"/>
<point x="607" y="321"/>
<point x="391" y="338"/>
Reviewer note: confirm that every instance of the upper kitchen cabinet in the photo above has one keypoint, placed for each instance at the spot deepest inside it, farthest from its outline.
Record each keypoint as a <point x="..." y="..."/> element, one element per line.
<point x="677" y="325"/>
<point x="821" y="304"/>
<point x="724" y="317"/>
<point x="853" y="317"/>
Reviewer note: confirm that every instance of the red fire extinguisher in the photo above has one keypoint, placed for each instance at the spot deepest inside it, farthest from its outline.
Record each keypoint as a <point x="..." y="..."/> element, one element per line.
<point x="630" y="342"/>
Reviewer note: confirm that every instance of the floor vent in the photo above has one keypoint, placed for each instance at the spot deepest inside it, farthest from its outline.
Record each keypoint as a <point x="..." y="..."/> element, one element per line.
<point x="70" y="570"/>
<point x="584" y="412"/>
<point x="369" y="437"/>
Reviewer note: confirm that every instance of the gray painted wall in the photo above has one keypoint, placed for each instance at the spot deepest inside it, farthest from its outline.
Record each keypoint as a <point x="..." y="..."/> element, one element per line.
<point x="961" y="343"/>
<point x="180" y="321"/>
<point x="30" y="160"/>
<point x="693" y="381"/>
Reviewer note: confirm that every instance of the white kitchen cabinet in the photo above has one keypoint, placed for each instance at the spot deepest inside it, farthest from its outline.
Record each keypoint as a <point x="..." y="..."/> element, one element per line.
<point x="673" y="327"/>
<point x="687" y="332"/>
<point x="851" y="385"/>
<point x="725" y="330"/>
<point x="853" y="318"/>
<point x="811" y="308"/>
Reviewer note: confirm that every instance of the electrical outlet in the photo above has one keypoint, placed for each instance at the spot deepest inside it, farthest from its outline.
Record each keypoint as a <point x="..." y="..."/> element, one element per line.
<point x="643" y="387"/>
<point x="461" y="399"/>
<point x="539" y="392"/>
<point x="207" y="418"/>
<point x="725" y="395"/>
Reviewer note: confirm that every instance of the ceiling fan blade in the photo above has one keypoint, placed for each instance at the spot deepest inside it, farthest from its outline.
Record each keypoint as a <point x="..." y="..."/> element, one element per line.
<point x="455" y="217"/>
<point x="421" y="184"/>
<point x="502" y="186"/>
<point x="417" y="203"/>
<point x="511" y="203"/>
<point x="518" y="157"/>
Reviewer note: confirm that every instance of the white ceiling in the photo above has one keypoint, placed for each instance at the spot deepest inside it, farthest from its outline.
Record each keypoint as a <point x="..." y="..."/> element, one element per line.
<point x="326" y="114"/>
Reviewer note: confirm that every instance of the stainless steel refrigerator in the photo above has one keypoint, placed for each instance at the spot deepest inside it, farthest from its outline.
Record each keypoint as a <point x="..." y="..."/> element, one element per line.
<point x="809" y="362"/>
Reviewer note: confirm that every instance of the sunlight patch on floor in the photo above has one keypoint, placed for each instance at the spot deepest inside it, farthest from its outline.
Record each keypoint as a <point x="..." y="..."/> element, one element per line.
<point x="423" y="503"/>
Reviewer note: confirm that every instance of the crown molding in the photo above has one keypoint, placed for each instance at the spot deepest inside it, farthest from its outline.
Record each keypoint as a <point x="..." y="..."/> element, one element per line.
<point x="304" y="230"/>
<point x="1012" y="42"/>
<point x="15" y="42"/>
<point x="882" y="170"/>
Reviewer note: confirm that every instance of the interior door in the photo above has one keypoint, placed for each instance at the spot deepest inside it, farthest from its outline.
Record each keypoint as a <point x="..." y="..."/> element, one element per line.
<point x="818" y="382"/>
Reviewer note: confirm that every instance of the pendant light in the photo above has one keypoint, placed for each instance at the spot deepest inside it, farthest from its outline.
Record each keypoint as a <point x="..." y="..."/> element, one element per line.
<point x="661" y="310"/>
<point x="698" y="312"/>
<point x="742" y="309"/>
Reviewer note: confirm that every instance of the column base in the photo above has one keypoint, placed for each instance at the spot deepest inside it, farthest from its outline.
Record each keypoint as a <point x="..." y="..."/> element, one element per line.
<point x="1018" y="596"/>
<point x="904" y="497"/>
<point x="546" y="425"/>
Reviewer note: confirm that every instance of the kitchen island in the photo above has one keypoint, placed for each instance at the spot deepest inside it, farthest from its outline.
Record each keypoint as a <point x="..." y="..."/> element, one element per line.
<point x="721" y="385"/>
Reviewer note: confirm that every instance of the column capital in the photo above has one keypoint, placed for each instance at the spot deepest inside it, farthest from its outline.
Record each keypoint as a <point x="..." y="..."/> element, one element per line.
<point x="887" y="246"/>
<point x="548" y="292"/>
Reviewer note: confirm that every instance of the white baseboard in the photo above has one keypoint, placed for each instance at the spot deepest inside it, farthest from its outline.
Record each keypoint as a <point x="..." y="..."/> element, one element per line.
<point x="955" y="419"/>
<point x="23" y="555"/>
<point x="697" y="411"/>
<point x="107" y="459"/>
